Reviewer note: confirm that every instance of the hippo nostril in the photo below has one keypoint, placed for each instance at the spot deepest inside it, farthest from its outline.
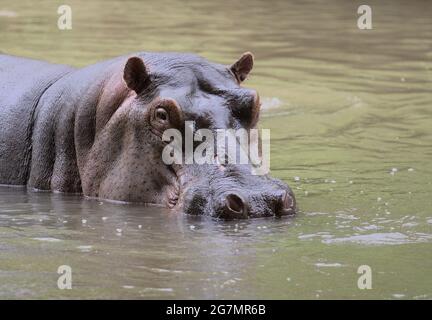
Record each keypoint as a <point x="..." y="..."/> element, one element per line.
<point x="287" y="201"/>
<point x="287" y="204"/>
<point x="235" y="205"/>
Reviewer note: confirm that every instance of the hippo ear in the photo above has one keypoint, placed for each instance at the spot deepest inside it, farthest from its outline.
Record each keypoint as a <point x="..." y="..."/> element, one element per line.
<point x="135" y="74"/>
<point x="243" y="66"/>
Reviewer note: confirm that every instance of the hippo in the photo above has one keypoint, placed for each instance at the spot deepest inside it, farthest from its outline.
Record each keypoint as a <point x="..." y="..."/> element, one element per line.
<point x="97" y="131"/>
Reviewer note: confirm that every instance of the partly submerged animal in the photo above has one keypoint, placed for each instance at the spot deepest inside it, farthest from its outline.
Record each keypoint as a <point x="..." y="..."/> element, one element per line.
<point x="98" y="131"/>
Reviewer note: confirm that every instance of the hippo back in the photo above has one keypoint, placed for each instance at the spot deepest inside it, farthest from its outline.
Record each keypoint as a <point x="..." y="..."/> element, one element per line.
<point x="22" y="83"/>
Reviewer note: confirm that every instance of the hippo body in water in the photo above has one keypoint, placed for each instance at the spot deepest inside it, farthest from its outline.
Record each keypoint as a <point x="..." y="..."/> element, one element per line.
<point x="97" y="131"/>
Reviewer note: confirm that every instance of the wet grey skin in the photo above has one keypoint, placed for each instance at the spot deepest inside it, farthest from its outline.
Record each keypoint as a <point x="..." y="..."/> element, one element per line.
<point x="98" y="131"/>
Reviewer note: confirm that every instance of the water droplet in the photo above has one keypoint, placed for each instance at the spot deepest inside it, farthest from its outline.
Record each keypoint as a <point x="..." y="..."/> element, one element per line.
<point x="85" y="248"/>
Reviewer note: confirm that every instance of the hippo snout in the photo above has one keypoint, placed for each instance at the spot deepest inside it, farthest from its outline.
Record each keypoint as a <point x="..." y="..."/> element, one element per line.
<point x="236" y="205"/>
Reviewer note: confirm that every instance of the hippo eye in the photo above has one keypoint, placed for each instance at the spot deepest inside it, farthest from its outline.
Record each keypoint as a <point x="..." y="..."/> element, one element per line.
<point x="164" y="114"/>
<point x="161" y="114"/>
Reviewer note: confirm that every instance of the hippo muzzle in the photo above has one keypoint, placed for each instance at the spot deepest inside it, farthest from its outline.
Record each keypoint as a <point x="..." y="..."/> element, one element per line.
<point x="234" y="193"/>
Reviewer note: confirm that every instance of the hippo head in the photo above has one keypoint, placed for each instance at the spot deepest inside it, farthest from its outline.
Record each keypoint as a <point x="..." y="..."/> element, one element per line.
<point x="164" y="91"/>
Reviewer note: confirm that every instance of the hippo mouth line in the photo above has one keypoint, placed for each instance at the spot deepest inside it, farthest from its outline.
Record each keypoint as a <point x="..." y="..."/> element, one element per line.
<point x="180" y="186"/>
<point x="174" y="192"/>
<point x="212" y="194"/>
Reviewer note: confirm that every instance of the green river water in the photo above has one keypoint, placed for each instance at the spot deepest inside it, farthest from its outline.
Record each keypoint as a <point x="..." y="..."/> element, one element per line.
<point x="350" y="113"/>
